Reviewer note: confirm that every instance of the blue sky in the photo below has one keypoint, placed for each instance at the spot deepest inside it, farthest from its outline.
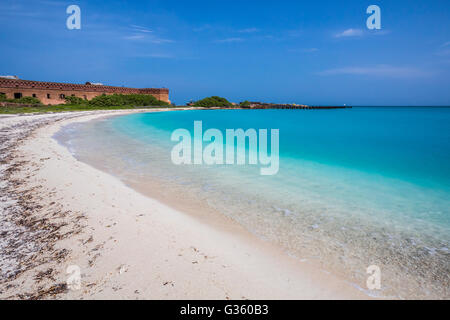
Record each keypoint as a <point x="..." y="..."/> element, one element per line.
<point x="312" y="52"/>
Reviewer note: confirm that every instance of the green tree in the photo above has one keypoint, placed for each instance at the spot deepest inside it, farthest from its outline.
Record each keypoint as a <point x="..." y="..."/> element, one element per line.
<point x="135" y="100"/>
<point x="213" y="101"/>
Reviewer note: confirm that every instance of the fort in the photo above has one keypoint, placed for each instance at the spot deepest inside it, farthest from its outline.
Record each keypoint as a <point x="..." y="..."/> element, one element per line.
<point x="55" y="93"/>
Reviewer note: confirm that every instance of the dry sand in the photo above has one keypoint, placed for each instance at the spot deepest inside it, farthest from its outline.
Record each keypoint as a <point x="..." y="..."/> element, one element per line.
<point x="57" y="212"/>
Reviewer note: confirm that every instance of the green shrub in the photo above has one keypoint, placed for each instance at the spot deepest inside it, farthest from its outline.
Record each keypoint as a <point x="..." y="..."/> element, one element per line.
<point x="136" y="100"/>
<point x="23" y="100"/>
<point x="245" y="103"/>
<point x="213" y="101"/>
<point x="28" y="100"/>
<point x="75" y="101"/>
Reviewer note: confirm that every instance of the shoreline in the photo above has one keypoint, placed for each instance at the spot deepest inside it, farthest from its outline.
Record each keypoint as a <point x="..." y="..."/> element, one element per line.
<point x="129" y="246"/>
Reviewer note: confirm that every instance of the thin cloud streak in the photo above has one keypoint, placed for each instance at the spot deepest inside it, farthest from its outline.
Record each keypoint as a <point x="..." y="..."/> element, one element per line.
<point x="140" y="29"/>
<point x="156" y="56"/>
<point x="135" y="37"/>
<point x="349" y="33"/>
<point x="141" y="37"/>
<point x="229" y="40"/>
<point x="305" y="50"/>
<point x="378" y="71"/>
<point x="147" y="36"/>
<point x="249" y="30"/>
<point x="445" y="52"/>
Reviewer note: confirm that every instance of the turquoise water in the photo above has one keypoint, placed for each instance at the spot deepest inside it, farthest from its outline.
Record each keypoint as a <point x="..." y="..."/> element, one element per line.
<point x="356" y="187"/>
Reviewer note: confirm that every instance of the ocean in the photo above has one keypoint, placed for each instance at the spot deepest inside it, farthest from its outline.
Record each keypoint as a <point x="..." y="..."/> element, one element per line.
<point x="356" y="187"/>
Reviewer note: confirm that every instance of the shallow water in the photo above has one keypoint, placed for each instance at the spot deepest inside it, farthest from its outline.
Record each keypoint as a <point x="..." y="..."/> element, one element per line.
<point x="356" y="187"/>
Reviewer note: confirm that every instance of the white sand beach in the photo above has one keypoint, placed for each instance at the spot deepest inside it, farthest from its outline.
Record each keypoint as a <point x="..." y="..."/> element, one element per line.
<point x="58" y="212"/>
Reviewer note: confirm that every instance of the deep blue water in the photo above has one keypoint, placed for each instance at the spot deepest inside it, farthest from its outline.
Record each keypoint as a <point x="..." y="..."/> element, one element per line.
<point x="411" y="144"/>
<point x="399" y="154"/>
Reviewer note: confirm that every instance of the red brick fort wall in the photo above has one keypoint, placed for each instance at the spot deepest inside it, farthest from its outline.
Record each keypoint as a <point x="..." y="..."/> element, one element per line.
<point x="54" y="93"/>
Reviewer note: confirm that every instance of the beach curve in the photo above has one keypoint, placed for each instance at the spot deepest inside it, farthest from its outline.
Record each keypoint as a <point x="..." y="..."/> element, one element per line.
<point x="130" y="246"/>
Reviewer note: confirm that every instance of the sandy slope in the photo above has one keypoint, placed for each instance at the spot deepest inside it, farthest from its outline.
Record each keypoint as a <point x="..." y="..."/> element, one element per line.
<point x="126" y="245"/>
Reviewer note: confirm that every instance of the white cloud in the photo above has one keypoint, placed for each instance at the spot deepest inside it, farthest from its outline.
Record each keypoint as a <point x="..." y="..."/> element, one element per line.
<point x="139" y="33"/>
<point x="160" y="40"/>
<point x="135" y="37"/>
<point x="445" y="52"/>
<point x="156" y="56"/>
<point x="141" y="29"/>
<point x="248" y="30"/>
<point x="144" y="38"/>
<point x="230" y="40"/>
<point x="378" y="71"/>
<point x="349" y="33"/>
<point x="304" y="50"/>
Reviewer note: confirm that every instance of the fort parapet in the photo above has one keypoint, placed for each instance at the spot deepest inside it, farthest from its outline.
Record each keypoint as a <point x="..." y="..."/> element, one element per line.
<point x="55" y="93"/>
